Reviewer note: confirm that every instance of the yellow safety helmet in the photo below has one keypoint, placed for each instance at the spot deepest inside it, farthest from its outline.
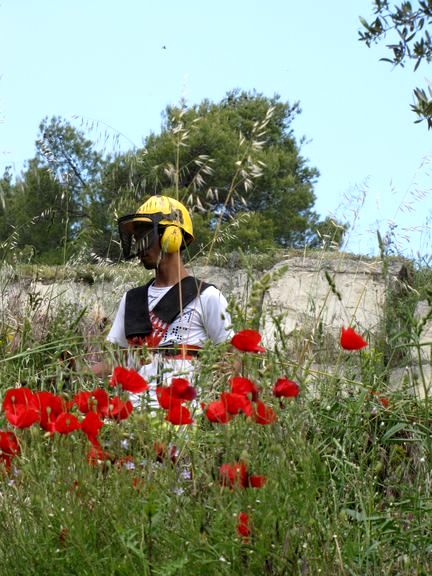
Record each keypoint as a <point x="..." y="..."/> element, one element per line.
<point x="157" y="212"/>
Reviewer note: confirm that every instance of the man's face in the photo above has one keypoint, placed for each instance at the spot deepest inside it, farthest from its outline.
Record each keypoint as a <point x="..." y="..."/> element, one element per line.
<point x="147" y="246"/>
<point x="150" y="258"/>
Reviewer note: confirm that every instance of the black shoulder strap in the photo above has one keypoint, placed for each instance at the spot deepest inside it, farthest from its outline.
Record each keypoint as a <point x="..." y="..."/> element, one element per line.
<point x="137" y="318"/>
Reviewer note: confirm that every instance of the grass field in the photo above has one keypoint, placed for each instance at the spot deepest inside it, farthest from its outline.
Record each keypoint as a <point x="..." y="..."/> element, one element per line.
<point x="334" y="480"/>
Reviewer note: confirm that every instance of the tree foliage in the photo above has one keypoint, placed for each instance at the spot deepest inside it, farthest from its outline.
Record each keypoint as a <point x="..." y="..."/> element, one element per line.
<point x="57" y="209"/>
<point x="238" y="156"/>
<point x="76" y="166"/>
<point x="407" y="26"/>
<point x="235" y="163"/>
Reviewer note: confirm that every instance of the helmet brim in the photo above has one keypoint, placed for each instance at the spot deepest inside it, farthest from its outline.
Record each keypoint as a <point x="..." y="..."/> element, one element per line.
<point x="128" y="223"/>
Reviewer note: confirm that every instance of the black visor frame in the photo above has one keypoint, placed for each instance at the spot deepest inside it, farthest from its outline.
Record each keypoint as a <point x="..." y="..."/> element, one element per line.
<point x="137" y="234"/>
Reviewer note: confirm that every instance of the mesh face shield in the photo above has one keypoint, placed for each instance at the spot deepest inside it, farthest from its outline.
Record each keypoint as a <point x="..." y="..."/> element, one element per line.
<point x="136" y="237"/>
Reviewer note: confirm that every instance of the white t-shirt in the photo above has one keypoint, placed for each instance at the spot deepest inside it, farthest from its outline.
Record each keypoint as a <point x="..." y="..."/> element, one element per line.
<point x="205" y="318"/>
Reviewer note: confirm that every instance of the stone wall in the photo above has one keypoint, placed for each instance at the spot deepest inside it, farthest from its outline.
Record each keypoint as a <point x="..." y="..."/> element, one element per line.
<point x="306" y="295"/>
<point x="299" y="290"/>
<point x="331" y="293"/>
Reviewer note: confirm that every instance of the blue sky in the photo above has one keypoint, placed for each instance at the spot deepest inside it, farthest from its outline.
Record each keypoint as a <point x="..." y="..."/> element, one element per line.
<point x="118" y="64"/>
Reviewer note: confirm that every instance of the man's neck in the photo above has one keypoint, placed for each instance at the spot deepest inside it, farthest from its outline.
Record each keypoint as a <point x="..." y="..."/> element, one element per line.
<point x="170" y="271"/>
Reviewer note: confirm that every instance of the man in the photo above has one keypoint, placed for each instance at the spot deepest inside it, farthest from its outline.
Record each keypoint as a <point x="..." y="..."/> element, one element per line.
<point x="164" y="323"/>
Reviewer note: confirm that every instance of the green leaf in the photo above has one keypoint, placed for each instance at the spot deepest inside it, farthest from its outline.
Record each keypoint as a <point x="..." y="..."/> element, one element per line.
<point x="393" y="430"/>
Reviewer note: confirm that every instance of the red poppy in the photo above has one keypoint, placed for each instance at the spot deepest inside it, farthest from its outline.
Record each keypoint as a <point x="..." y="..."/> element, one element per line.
<point x="285" y="388"/>
<point x="243" y="526"/>
<point x="9" y="444"/>
<point x="44" y="399"/>
<point x="236" y="403"/>
<point x="66" y="423"/>
<point x="182" y="389"/>
<point x="119" y="410"/>
<point x="97" y="455"/>
<point x="18" y="396"/>
<point x="125" y="411"/>
<point x="129" y="380"/>
<point x="119" y="375"/>
<point x="91" y="425"/>
<point x="94" y="400"/>
<point x="263" y="414"/>
<point x="257" y="481"/>
<point x="166" y="397"/>
<point x="381" y="399"/>
<point x="217" y="412"/>
<point x="234" y="474"/>
<point x="50" y="406"/>
<point x="9" y="448"/>
<point x="247" y="341"/>
<point x="240" y="385"/>
<point x="101" y="399"/>
<point x="178" y="415"/>
<point x="68" y="405"/>
<point x="350" y="340"/>
<point x="22" y="416"/>
<point x="82" y="400"/>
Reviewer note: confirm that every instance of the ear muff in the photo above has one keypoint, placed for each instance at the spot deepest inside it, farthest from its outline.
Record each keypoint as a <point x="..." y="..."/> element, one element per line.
<point x="171" y="239"/>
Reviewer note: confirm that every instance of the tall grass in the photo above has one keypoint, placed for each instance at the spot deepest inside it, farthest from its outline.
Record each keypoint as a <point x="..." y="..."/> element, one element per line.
<point x="347" y="465"/>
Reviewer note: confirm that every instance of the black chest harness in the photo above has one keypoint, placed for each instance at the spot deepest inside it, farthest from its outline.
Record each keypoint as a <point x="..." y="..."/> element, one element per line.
<point x="137" y="316"/>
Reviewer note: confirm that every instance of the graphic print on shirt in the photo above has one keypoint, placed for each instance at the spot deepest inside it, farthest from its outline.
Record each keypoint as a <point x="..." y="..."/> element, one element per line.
<point x="181" y="327"/>
<point x="160" y="328"/>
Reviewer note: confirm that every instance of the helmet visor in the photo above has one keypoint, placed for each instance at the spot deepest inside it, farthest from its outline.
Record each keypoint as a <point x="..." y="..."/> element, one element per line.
<point x="136" y="237"/>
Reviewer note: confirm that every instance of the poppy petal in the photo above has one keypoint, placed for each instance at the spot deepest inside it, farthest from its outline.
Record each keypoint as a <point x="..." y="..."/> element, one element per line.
<point x="350" y="340"/>
<point x="119" y="410"/>
<point x="285" y="388"/>
<point x="243" y="526"/>
<point x="234" y="474"/>
<point x="91" y="425"/>
<point x="247" y="341"/>
<point x="236" y="403"/>
<point x="22" y="416"/>
<point x="9" y="444"/>
<point x="66" y="423"/>
<point x="240" y="385"/>
<point x="182" y="389"/>
<point x="217" y="412"/>
<point x="263" y="414"/>
<point x="257" y="481"/>
<point x="129" y="380"/>
<point x="179" y="415"/>
<point x="166" y="397"/>
<point x="19" y="396"/>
